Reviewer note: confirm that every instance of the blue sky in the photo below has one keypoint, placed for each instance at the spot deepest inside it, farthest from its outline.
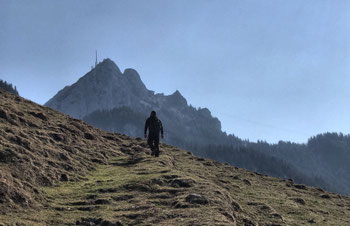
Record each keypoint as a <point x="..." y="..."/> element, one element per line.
<point x="269" y="70"/>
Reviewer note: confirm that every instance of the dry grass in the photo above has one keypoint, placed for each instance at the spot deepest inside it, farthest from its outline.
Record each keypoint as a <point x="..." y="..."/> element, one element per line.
<point x="113" y="177"/>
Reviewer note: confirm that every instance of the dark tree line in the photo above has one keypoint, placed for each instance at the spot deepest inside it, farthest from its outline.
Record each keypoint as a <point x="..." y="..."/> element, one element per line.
<point x="8" y="87"/>
<point x="324" y="161"/>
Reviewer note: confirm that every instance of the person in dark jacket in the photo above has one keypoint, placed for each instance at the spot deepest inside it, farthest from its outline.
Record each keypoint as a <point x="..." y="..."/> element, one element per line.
<point x="154" y="126"/>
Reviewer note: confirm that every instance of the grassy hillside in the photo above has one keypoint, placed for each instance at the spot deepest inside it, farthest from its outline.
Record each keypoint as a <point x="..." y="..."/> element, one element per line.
<point x="55" y="170"/>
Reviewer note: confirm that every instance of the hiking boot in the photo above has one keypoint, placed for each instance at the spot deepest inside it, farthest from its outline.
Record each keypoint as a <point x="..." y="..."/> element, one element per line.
<point x="156" y="153"/>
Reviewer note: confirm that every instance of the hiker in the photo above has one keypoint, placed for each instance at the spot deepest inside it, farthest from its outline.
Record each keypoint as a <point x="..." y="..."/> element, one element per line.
<point x="154" y="126"/>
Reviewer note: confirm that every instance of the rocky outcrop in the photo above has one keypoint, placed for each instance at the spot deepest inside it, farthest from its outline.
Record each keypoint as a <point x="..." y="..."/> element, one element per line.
<point x="105" y="95"/>
<point x="104" y="87"/>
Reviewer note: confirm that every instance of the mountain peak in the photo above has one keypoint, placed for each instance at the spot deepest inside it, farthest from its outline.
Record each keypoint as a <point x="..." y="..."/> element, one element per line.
<point x="107" y="61"/>
<point x="135" y="81"/>
<point x="132" y="74"/>
<point x="108" y="65"/>
<point x="177" y="93"/>
<point x="177" y="99"/>
<point x="104" y="87"/>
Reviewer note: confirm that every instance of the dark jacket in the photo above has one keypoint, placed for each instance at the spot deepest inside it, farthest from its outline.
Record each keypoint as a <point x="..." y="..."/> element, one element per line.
<point x="154" y="125"/>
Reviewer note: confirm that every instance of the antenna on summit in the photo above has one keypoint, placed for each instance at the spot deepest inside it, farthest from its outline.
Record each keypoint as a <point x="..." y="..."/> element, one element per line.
<point x="96" y="59"/>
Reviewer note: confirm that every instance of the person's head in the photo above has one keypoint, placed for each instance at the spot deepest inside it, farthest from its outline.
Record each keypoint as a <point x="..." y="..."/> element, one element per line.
<point x="153" y="114"/>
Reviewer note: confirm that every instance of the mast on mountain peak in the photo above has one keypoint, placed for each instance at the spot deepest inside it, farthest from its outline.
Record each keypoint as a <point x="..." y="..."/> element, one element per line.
<point x="96" y="59"/>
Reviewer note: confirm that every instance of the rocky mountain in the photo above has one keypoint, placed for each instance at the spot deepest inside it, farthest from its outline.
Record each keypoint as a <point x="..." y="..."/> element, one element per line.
<point x="57" y="170"/>
<point x="102" y="88"/>
<point x="102" y="92"/>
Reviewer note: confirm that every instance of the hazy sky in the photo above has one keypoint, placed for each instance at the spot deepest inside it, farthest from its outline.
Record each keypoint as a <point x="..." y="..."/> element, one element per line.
<point x="269" y="70"/>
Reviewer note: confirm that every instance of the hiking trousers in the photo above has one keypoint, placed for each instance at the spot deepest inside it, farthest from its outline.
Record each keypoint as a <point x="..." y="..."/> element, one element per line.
<point x="153" y="142"/>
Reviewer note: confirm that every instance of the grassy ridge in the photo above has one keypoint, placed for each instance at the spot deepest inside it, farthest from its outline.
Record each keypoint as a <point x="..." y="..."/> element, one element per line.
<point x="55" y="170"/>
<point x="140" y="189"/>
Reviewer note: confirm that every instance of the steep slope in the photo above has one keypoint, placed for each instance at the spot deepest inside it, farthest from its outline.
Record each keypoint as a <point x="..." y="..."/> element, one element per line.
<point x="40" y="147"/>
<point x="68" y="172"/>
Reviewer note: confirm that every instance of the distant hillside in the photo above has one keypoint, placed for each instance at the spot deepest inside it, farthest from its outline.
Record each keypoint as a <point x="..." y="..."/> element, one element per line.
<point x="325" y="156"/>
<point x="56" y="170"/>
<point x="8" y="87"/>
